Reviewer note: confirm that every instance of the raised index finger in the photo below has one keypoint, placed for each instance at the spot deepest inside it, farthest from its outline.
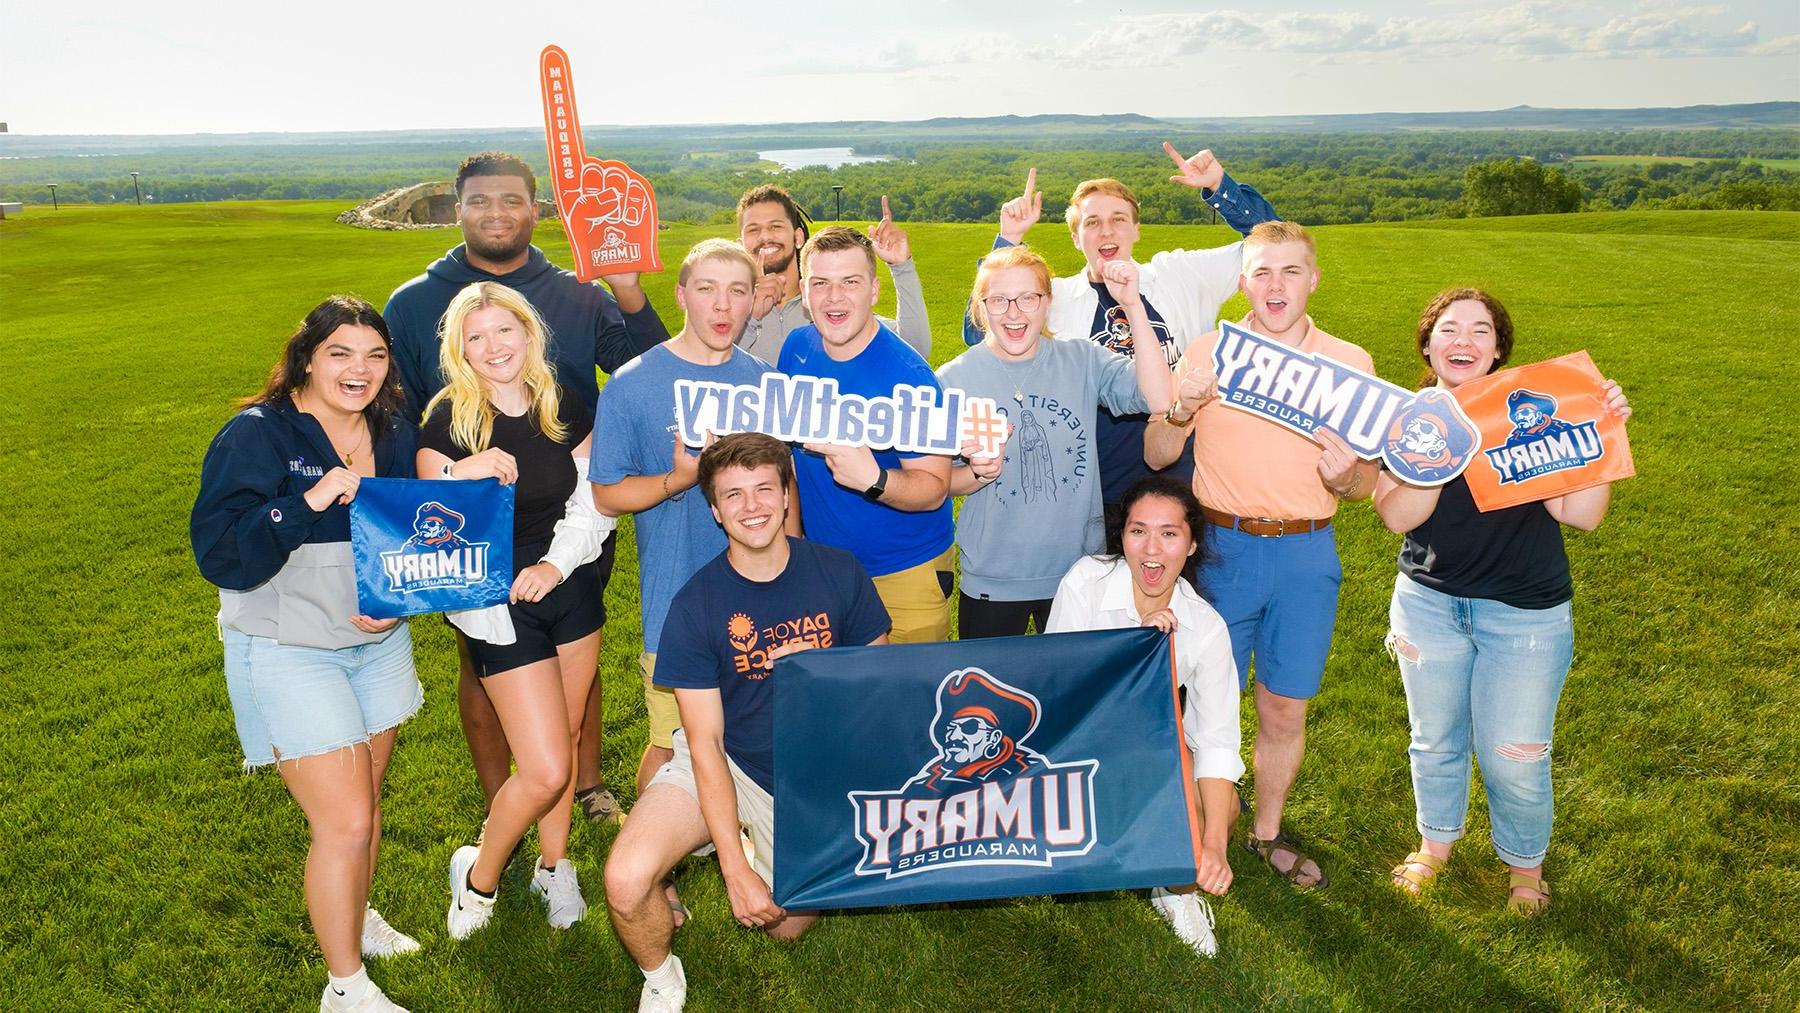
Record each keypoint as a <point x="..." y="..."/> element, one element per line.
<point x="886" y="215"/>
<point x="1031" y="182"/>
<point x="1176" y="155"/>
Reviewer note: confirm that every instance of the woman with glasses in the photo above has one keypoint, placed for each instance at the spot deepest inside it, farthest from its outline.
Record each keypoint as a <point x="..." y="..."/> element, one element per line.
<point x="1031" y="513"/>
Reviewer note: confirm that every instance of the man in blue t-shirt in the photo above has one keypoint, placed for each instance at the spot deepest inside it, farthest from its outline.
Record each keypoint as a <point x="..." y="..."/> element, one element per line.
<point x="766" y="596"/>
<point x="638" y="465"/>
<point x="891" y="510"/>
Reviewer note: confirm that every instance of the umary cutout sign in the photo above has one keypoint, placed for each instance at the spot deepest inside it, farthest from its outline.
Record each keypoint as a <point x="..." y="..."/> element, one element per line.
<point x="1531" y="432"/>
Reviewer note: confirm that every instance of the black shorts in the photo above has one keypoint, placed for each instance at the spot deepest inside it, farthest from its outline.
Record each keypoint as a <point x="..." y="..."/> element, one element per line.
<point x="572" y="610"/>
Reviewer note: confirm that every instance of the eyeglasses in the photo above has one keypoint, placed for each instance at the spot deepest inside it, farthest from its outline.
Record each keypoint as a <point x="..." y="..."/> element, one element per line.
<point x="1027" y="302"/>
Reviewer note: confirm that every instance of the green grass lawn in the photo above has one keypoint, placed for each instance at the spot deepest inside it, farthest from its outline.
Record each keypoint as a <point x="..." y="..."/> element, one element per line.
<point x="143" y="870"/>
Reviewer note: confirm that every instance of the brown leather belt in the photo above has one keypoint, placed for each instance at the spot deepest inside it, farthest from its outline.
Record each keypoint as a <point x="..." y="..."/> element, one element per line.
<point x="1262" y="527"/>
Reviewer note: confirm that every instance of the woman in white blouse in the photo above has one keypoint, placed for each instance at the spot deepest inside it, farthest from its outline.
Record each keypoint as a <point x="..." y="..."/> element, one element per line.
<point x="1139" y="583"/>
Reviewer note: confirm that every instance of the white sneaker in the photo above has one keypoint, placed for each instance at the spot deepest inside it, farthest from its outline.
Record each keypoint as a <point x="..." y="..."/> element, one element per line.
<point x="373" y="1001"/>
<point x="379" y="939"/>
<point x="469" y="910"/>
<point x="561" y="892"/>
<point x="655" y="1000"/>
<point x="1191" y="918"/>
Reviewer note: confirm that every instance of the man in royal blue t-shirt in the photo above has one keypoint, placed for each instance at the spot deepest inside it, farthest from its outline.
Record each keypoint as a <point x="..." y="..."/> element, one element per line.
<point x="891" y="510"/>
<point x="766" y="596"/>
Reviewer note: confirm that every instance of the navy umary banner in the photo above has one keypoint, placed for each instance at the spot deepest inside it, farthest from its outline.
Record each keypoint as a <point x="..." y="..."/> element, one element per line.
<point x="431" y="545"/>
<point x="919" y="773"/>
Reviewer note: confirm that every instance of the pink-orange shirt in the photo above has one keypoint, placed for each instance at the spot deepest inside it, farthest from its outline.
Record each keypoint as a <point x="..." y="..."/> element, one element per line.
<point x="1253" y="467"/>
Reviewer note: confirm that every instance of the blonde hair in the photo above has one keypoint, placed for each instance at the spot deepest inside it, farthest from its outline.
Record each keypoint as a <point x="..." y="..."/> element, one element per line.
<point x="836" y="239"/>
<point x="471" y="412"/>
<point x="1089" y="187"/>
<point x="716" y="249"/>
<point x="1000" y="260"/>
<point x="1275" y="233"/>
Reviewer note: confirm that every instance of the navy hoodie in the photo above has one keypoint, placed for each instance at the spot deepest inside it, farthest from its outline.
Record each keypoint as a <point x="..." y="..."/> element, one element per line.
<point x="586" y="327"/>
<point x="283" y="570"/>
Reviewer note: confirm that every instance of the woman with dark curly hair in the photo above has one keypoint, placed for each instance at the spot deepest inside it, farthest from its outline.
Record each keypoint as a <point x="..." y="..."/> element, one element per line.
<point x="1156" y="536"/>
<point x="316" y="689"/>
<point x="1481" y="627"/>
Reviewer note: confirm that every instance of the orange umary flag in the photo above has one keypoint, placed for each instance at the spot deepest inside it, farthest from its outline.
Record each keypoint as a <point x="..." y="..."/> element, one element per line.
<point x="608" y="211"/>
<point x="1545" y="431"/>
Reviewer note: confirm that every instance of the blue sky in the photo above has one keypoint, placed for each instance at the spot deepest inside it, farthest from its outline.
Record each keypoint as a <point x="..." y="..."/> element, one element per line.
<point x="109" y="67"/>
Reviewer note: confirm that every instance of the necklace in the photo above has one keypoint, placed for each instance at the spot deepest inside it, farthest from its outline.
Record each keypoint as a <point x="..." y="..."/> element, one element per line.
<point x="1016" y="379"/>
<point x="349" y="456"/>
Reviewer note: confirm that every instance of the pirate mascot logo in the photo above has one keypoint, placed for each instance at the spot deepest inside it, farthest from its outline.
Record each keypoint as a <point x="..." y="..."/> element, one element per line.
<point x="1540" y="443"/>
<point x="985" y="798"/>
<point x="436" y="554"/>
<point x="1430" y="440"/>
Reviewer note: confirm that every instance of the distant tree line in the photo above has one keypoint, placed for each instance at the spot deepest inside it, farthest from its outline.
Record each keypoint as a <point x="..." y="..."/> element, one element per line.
<point x="1315" y="179"/>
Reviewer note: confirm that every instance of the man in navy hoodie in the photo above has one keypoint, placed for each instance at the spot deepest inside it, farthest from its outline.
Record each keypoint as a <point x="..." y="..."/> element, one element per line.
<point x="496" y="206"/>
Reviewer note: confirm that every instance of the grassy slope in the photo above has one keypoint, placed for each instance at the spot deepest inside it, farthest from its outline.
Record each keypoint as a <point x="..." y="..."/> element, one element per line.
<point x="143" y="872"/>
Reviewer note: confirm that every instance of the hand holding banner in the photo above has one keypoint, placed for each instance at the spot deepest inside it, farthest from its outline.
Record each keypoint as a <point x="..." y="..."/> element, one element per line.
<point x="431" y="545"/>
<point x="1546" y="430"/>
<point x="976" y="769"/>
<point x="608" y="211"/>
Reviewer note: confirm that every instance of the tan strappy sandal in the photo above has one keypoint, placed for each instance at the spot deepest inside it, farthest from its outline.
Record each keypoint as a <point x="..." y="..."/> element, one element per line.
<point x="1528" y="907"/>
<point x="1411" y="880"/>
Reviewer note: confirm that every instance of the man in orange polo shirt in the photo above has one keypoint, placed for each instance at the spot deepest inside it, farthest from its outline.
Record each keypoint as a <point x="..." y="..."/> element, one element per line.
<point x="1269" y="495"/>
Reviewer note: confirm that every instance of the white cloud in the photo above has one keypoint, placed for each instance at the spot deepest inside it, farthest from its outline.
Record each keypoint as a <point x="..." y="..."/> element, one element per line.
<point x="1530" y="29"/>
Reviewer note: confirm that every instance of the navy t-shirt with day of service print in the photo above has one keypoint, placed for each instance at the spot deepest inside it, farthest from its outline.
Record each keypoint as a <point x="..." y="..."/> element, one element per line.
<point x="722" y="626"/>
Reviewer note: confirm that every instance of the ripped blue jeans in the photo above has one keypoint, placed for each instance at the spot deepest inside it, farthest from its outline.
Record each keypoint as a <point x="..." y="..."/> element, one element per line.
<point x="1482" y="682"/>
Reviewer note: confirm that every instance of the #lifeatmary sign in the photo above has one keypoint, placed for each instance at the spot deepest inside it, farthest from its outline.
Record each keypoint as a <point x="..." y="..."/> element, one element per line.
<point x="1502" y="432"/>
<point x="807" y="409"/>
<point x="430" y="545"/>
<point x="608" y="211"/>
<point x="970" y="770"/>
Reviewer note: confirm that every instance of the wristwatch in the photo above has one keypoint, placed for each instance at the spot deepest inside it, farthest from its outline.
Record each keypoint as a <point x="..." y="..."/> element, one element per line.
<point x="1169" y="416"/>
<point x="873" y="493"/>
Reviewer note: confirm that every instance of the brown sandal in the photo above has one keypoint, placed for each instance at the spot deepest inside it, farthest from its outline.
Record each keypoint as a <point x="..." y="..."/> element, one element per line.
<point x="1528" y="907"/>
<point x="1413" y="881"/>
<point x="1265" y="850"/>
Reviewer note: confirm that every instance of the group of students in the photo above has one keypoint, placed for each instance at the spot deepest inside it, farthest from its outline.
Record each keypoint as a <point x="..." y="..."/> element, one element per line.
<point x="1126" y="495"/>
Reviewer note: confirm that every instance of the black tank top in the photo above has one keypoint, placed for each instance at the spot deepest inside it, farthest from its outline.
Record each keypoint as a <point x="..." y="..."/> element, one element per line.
<point x="546" y="471"/>
<point x="1513" y="555"/>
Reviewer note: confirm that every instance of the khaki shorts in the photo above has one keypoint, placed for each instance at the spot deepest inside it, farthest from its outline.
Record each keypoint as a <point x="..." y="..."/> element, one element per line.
<point x="659" y="703"/>
<point x="918" y="600"/>
<point x="755" y="807"/>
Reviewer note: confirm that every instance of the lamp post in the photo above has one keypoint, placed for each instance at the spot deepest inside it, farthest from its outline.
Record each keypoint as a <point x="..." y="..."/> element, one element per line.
<point x="53" y="205"/>
<point x="839" y="190"/>
<point x="135" y="190"/>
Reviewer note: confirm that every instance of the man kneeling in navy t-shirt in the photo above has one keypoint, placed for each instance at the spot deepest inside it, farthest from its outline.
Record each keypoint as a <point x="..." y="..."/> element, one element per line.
<point x="765" y="597"/>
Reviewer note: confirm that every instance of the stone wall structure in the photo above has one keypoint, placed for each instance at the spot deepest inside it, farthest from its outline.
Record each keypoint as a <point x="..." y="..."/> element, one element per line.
<point x="429" y="205"/>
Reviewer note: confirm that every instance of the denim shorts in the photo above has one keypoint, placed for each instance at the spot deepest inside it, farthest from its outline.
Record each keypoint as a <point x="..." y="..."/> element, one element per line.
<point x="290" y="702"/>
<point x="1279" y="598"/>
